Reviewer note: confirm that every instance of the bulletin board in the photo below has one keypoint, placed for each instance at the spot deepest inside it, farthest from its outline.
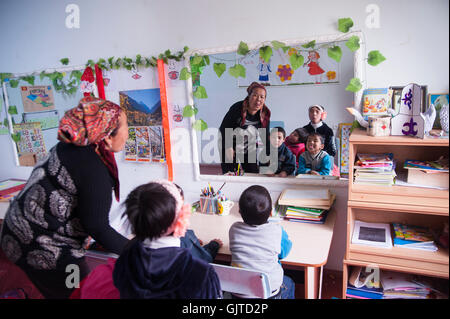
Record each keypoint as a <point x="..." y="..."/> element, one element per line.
<point x="35" y="110"/>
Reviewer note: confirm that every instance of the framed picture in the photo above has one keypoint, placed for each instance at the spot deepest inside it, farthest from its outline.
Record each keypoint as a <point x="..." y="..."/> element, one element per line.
<point x="397" y="97"/>
<point x="439" y="100"/>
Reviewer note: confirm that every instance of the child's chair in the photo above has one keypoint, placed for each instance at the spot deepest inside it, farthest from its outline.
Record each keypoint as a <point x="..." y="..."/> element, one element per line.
<point x="243" y="281"/>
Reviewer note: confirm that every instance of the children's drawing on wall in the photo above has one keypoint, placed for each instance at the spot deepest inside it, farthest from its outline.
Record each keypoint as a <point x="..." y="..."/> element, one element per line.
<point x="31" y="140"/>
<point x="37" y="98"/>
<point x="264" y="69"/>
<point x="313" y="66"/>
<point x="318" y="68"/>
<point x="143" y="108"/>
<point x="177" y="113"/>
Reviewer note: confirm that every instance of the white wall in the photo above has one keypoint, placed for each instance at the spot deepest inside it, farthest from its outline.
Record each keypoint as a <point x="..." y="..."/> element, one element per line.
<point x="413" y="36"/>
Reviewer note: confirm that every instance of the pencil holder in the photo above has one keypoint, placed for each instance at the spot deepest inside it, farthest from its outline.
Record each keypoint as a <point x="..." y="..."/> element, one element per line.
<point x="224" y="207"/>
<point x="208" y="204"/>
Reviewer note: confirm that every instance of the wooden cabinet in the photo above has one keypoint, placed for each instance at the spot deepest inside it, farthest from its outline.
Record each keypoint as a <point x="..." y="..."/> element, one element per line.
<point x="388" y="204"/>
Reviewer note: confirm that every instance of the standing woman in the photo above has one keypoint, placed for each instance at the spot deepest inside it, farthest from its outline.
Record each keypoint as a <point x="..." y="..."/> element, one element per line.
<point x="67" y="199"/>
<point x="245" y="118"/>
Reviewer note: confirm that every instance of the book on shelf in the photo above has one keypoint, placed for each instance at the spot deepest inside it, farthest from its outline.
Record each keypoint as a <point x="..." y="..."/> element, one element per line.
<point x="413" y="237"/>
<point x="372" y="234"/>
<point x="307" y="219"/>
<point x="375" y="169"/>
<point x="398" y="285"/>
<point x="428" y="173"/>
<point x="307" y="197"/>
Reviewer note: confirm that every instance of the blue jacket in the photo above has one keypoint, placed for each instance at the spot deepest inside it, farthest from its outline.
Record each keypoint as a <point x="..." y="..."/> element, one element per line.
<point x="164" y="273"/>
<point x="286" y="160"/>
<point x="320" y="163"/>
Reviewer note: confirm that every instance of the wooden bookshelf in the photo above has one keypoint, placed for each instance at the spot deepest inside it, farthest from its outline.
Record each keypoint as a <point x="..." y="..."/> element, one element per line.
<point x="402" y="204"/>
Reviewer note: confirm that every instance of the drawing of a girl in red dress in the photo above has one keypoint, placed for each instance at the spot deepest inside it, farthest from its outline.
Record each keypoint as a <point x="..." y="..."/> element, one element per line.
<point x="314" y="68"/>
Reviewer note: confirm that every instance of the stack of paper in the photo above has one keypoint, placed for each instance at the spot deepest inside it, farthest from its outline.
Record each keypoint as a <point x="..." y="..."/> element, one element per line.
<point x="402" y="286"/>
<point x="414" y="237"/>
<point x="374" y="169"/>
<point x="306" y="205"/>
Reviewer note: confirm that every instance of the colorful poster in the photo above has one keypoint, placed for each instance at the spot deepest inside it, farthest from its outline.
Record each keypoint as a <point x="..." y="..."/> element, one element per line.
<point x="31" y="140"/>
<point x="157" y="143"/>
<point x="344" y="134"/>
<point x="143" y="107"/>
<point x="144" y="144"/>
<point x="317" y="67"/>
<point x="37" y="98"/>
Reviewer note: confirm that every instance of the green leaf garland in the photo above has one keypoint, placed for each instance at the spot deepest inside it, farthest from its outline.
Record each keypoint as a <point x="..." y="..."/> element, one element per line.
<point x="345" y="24"/>
<point x="335" y="53"/>
<point x="296" y="60"/>
<point x="200" y="125"/>
<point x="237" y="70"/>
<point x="200" y="93"/>
<point x="375" y="58"/>
<point x="265" y="53"/>
<point x="353" y="43"/>
<point x="354" y="85"/>
<point x="243" y="48"/>
<point x="219" y="68"/>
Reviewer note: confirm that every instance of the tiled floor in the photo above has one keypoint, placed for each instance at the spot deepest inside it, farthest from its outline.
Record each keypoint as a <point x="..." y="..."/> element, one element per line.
<point x="331" y="286"/>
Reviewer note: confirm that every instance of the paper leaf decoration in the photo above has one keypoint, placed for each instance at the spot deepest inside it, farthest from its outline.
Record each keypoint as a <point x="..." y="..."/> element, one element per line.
<point x="237" y="71"/>
<point x="375" y="58"/>
<point x="185" y="74"/>
<point x="354" y="85"/>
<point x="189" y="111"/>
<point x="200" y="125"/>
<point x="310" y="44"/>
<point x="243" y="48"/>
<point x="14" y="83"/>
<point x="280" y="45"/>
<point x="353" y="43"/>
<point x="219" y="68"/>
<point x="12" y="110"/>
<point x="64" y="61"/>
<point x="335" y="53"/>
<point x="345" y="24"/>
<point x="16" y="137"/>
<point x="296" y="60"/>
<point x="200" y="93"/>
<point x="265" y="53"/>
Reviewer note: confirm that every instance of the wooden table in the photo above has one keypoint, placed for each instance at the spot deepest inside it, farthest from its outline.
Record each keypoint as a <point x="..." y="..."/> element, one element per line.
<point x="310" y="243"/>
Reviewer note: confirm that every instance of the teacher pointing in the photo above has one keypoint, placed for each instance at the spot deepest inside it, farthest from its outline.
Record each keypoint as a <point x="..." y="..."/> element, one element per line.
<point x="241" y="134"/>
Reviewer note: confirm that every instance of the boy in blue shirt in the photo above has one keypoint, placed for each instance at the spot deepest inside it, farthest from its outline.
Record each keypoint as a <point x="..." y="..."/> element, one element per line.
<point x="315" y="160"/>
<point x="259" y="245"/>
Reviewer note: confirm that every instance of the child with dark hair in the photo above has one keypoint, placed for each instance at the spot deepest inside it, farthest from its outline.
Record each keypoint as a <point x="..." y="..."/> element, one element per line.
<point x="296" y="141"/>
<point x="317" y="116"/>
<point x="315" y="160"/>
<point x="154" y="265"/>
<point x="258" y="244"/>
<point x="190" y="241"/>
<point x="286" y="160"/>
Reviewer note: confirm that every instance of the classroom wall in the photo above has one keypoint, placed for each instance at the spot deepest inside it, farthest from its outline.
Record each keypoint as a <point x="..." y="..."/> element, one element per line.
<point x="412" y="34"/>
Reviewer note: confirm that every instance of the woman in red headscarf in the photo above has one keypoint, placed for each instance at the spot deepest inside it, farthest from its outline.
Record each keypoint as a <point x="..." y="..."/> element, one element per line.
<point x="67" y="200"/>
<point x="241" y="140"/>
